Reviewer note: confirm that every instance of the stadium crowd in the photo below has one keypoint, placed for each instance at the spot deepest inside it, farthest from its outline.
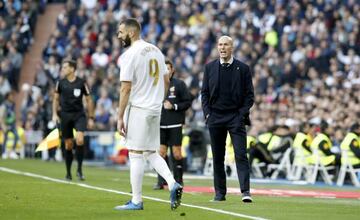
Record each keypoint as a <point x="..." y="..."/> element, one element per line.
<point x="305" y="55"/>
<point x="17" y="24"/>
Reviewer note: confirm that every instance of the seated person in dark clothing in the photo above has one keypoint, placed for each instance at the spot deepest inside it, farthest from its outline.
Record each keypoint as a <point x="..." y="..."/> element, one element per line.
<point x="271" y="146"/>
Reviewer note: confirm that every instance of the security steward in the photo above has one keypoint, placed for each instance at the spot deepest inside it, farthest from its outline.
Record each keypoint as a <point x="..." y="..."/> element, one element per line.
<point x="351" y="144"/>
<point x="323" y="145"/>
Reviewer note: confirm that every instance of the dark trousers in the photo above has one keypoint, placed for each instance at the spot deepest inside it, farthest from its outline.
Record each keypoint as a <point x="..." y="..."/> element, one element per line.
<point x="219" y="125"/>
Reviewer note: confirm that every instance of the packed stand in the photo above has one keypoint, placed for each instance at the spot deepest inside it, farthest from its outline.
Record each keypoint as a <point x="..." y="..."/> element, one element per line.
<point x="17" y="25"/>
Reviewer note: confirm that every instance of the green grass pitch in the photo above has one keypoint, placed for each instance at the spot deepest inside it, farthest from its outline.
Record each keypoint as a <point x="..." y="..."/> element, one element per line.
<point x="25" y="197"/>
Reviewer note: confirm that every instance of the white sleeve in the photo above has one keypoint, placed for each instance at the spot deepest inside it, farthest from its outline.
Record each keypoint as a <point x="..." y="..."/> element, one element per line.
<point x="127" y="68"/>
<point x="163" y="67"/>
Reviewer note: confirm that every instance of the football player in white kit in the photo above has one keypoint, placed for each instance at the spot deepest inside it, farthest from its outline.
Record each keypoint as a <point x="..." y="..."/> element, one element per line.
<point x="144" y="80"/>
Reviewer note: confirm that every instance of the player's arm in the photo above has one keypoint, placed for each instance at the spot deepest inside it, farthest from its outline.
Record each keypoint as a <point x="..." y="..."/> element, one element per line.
<point x="166" y="84"/>
<point x="165" y="73"/>
<point x="55" y="104"/>
<point x="125" y="90"/>
<point x="89" y="103"/>
<point x="127" y="72"/>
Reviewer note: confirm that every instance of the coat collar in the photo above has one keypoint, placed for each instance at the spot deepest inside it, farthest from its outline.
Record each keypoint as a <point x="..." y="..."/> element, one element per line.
<point x="229" y="62"/>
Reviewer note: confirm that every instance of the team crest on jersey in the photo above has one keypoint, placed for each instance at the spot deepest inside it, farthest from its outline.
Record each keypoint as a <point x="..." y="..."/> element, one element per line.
<point x="77" y="92"/>
<point x="172" y="92"/>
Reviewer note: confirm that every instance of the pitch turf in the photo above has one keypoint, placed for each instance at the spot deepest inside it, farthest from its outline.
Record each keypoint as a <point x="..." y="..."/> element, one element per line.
<point x="25" y="197"/>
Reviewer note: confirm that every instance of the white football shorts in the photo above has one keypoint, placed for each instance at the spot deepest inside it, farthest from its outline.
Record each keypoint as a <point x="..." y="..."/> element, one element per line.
<point x="143" y="129"/>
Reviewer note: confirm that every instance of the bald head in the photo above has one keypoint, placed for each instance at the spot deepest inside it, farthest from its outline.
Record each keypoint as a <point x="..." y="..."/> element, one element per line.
<point x="225" y="48"/>
<point x="225" y="38"/>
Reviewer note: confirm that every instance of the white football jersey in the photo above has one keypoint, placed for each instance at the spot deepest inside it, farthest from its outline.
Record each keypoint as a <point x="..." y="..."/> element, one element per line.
<point x="143" y="64"/>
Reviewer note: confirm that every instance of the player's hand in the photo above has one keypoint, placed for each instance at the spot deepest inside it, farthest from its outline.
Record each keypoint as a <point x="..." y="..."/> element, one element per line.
<point x="168" y="105"/>
<point x="55" y="118"/>
<point x="121" y="127"/>
<point x="91" y="123"/>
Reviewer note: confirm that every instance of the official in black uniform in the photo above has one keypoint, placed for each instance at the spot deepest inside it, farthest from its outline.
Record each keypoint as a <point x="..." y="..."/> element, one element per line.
<point x="70" y="91"/>
<point x="172" y="119"/>
<point x="227" y="95"/>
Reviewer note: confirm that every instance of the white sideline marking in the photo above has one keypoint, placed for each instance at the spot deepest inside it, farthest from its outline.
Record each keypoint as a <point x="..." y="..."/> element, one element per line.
<point x="4" y="169"/>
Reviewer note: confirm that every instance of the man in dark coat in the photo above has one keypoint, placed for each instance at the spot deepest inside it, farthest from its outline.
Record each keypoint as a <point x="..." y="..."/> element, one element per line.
<point x="227" y="95"/>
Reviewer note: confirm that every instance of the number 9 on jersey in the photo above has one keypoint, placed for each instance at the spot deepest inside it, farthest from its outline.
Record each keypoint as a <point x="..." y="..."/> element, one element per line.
<point x="154" y="70"/>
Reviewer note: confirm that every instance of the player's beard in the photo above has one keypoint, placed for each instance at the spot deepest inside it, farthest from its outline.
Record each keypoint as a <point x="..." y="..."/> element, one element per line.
<point x="126" y="42"/>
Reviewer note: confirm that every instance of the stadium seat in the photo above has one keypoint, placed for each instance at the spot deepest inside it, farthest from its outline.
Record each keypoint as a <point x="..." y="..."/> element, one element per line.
<point x="319" y="166"/>
<point x="284" y="165"/>
<point x="256" y="167"/>
<point x="347" y="167"/>
<point x="300" y="166"/>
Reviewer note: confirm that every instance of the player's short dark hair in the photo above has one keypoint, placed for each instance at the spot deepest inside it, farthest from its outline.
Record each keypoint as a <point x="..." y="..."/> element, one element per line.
<point x="168" y="62"/>
<point x="132" y="23"/>
<point x="72" y="63"/>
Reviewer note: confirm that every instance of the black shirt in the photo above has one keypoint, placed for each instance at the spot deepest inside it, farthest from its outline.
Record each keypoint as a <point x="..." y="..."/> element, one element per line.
<point x="71" y="94"/>
<point x="224" y="102"/>
<point x="179" y="95"/>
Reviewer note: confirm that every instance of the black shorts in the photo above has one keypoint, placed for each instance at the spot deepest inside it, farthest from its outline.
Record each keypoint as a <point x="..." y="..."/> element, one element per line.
<point x="171" y="136"/>
<point x="70" y="121"/>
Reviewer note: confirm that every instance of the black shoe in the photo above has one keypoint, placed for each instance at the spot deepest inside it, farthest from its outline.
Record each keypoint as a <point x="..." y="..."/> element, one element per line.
<point x="158" y="186"/>
<point x="218" y="199"/>
<point x="80" y="176"/>
<point x="68" y="177"/>
<point x="246" y="197"/>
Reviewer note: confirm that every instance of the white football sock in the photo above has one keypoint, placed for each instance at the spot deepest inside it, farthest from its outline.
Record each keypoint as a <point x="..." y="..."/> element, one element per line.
<point x="136" y="176"/>
<point x="159" y="164"/>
